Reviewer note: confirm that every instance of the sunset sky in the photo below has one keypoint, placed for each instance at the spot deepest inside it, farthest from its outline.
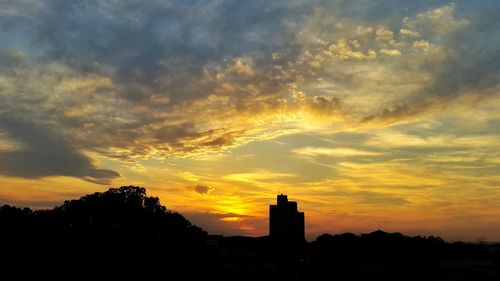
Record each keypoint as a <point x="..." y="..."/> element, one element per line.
<point x="370" y="114"/>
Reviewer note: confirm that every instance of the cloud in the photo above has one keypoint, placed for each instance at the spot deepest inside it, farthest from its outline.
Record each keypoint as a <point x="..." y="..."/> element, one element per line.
<point x="390" y="52"/>
<point x="42" y="155"/>
<point x="440" y="21"/>
<point x="392" y="138"/>
<point x="371" y="198"/>
<point x="364" y="30"/>
<point x="433" y="60"/>
<point x="241" y="66"/>
<point x="202" y="189"/>
<point x="333" y="152"/>
<point x="408" y="32"/>
<point x="164" y="80"/>
<point x="384" y="34"/>
<point x="259" y="177"/>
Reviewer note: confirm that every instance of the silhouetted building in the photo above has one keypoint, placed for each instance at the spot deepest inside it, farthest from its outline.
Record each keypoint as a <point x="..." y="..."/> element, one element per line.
<point x="285" y="221"/>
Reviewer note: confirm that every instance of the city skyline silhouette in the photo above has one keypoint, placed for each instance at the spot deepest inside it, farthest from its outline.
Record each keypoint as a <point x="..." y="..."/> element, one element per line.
<point x="371" y="114"/>
<point x="125" y="229"/>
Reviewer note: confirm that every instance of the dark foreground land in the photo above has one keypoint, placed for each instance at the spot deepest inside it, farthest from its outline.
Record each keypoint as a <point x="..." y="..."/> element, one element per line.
<point x="122" y="233"/>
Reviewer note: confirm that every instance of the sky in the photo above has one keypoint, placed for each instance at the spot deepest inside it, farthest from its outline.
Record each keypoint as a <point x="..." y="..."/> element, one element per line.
<point x="370" y="114"/>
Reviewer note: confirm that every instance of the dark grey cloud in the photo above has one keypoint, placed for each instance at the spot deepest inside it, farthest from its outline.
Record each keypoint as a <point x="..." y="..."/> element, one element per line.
<point x="202" y="188"/>
<point x="174" y="133"/>
<point x="133" y="37"/>
<point x="44" y="155"/>
<point x="142" y="43"/>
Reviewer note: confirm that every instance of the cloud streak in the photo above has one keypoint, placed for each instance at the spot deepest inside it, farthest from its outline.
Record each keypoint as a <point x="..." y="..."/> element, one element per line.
<point x="333" y="152"/>
<point x="42" y="156"/>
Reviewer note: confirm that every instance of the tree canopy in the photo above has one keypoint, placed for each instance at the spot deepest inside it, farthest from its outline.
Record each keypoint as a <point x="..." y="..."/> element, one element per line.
<point x="118" y="226"/>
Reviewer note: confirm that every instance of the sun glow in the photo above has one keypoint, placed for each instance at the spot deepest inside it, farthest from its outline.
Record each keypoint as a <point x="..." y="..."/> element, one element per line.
<point x="231" y="219"/>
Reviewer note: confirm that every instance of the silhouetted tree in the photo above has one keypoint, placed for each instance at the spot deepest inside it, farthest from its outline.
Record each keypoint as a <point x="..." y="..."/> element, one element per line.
<point x="121" y="228"/>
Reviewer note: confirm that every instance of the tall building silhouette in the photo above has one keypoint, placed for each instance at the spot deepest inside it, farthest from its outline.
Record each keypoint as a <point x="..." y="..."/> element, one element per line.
<point x="285" y="221"/>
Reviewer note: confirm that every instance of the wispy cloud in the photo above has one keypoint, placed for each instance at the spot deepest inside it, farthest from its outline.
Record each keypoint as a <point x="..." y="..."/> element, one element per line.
<point x="333" y="152"/>
<point x="389" y="138"/>
<point x="260" y="176"/>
